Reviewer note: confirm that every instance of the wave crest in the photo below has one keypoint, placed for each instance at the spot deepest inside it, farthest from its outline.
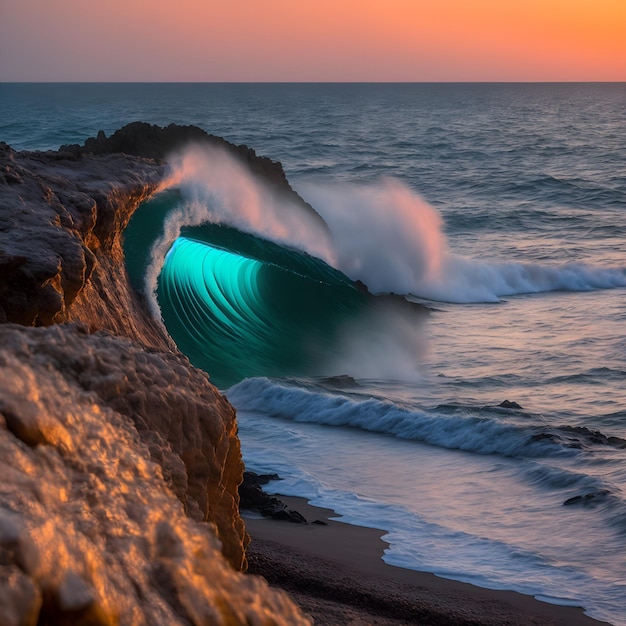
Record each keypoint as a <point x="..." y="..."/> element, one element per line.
<point x="471" y="433"/>
<point x="285" y="303"/>
<point x="390" y="238"/>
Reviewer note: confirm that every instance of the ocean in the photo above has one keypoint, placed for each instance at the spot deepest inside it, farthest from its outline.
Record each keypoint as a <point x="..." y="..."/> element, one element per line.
<point x="497" y="213"/>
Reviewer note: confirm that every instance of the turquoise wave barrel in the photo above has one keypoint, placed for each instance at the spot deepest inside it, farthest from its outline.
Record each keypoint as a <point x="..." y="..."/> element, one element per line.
<point x="240" y="306"/>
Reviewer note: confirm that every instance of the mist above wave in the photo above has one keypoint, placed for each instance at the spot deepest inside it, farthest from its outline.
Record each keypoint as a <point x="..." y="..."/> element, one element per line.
<point x="219" y="189"/>
<point x="381" y="233"/>
<point x="389" y="237"/>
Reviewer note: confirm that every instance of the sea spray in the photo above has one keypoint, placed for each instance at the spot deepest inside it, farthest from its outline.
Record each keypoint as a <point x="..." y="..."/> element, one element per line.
<point x="387" y="341"/>
<point x="389" y="237"/>
<point x="219" y="189"/>
<point x="381" y="233"/>
<point x="216" y="188"/>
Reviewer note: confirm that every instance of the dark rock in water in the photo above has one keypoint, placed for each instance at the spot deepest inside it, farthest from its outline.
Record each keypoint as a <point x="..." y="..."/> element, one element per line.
<point x="542" y="436"/>
<point x="114" y="450"/>
<point x="595" y="436"/>
<point x="399" y="302"/>
<point x="155" y="142"/>
<point x="506" y="404"/>
<point x="251" y="495"/>
<point x="252" y="478"/>
<point x="578" y="437"/>
<point x="588" y="498"/>
<point x="557" y="439"/>
<point x="253" y="498"/>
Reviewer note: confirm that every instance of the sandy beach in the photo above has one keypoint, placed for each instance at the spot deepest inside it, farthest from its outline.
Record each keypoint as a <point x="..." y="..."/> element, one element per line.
<point x="335" y="573"/>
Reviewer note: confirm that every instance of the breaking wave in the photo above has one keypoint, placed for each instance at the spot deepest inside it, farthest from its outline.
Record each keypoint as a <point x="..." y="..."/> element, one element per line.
<point x="249" y="283"/>
<point x="480" y="434"/>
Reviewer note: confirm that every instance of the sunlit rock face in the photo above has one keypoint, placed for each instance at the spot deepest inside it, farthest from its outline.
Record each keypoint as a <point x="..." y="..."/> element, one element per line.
<point x="90" y="529"/>
<point x="120" y="461"/>
<point x="61" y="225"/>
<point x="188" y="429"/>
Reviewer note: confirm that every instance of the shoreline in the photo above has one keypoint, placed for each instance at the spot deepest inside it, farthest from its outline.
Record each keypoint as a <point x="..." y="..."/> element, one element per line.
<point x="334" y="571"/>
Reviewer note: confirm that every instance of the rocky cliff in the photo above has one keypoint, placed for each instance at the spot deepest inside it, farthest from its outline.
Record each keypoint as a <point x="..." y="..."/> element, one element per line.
<point x="120" y="461"/>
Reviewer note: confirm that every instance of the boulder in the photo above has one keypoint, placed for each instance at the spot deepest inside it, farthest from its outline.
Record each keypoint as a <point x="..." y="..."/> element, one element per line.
<point x="253" y="498"/>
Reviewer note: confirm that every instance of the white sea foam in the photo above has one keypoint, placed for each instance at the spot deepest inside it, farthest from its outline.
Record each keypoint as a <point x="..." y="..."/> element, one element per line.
<point x="478" y="434"/>
<point x="390" y="238"/>
<point x="419" y="494"/>
<point x="218" y="189"/>
<point x="382" y="233"/>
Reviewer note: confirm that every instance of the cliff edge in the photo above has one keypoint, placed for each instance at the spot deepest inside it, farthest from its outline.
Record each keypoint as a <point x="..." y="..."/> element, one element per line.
<point x="120" y="460"/>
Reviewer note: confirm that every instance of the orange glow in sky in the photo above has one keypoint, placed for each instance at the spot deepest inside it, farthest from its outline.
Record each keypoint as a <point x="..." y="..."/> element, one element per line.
<point x="320" y="40"/>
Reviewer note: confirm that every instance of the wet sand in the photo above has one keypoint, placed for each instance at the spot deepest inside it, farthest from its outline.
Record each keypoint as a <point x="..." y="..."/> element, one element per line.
<point x="335" y="572"/>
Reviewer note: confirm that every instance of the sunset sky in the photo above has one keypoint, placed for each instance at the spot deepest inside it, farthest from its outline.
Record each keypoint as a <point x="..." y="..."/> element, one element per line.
<point x="306" y="40"/>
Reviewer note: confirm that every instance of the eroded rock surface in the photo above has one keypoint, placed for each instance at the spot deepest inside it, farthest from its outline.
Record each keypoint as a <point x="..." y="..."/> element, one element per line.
<point x="90" y="529"/>
<point x="61" y="225"/>
<point x="120" y="461"/>
<point x="188" y="428"/>
<point x="61" y="260"/>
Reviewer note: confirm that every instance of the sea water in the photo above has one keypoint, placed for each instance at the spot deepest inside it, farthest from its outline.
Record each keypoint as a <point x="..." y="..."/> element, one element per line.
<point x="502" y="209"/>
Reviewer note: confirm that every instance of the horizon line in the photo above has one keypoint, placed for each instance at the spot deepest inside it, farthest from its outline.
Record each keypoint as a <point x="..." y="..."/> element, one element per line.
<point x="308" y="82"/>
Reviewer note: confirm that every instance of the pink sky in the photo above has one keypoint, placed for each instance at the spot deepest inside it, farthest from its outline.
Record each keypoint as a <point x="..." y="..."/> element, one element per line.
<point x="321" y="40"/>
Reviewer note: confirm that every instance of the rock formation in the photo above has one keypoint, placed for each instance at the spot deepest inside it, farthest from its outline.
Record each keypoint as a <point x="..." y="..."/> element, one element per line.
<point x="120" y="461"/>
<point x="253" y="498"/>
<point x="148" y="140"/>
<point x="61" y="255"/>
